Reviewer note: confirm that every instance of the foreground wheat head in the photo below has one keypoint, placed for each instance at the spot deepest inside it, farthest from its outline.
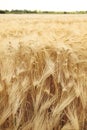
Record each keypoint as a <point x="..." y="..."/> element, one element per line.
<point x="42" y="87"/>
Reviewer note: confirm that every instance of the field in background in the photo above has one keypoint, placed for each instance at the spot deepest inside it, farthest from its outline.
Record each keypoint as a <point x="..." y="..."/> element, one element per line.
<point x="68" y="29"/>
<point x="43" y="72"/>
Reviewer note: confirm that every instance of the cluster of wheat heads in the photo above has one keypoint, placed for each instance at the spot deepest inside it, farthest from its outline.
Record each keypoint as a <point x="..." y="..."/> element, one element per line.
<point x="42" y="87"/>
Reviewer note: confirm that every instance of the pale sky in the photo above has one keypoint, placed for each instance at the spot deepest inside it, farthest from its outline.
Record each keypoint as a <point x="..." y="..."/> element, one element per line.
<point x="54" y="5"/>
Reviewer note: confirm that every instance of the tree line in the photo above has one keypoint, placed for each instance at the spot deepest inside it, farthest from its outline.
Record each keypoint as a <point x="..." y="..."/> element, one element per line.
<point x="39" y="12"/>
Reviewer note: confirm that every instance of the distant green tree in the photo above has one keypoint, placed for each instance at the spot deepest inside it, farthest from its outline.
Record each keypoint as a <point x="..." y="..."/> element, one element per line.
<point x="2" y="12"/>
<point x="39" y="12"/>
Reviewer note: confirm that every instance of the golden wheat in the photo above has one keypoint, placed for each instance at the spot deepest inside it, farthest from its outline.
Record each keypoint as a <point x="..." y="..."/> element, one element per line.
<point x="43" y="84"/>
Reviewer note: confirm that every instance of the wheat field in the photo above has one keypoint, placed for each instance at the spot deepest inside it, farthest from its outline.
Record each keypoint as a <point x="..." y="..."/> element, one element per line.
<point x="43" y="72"/>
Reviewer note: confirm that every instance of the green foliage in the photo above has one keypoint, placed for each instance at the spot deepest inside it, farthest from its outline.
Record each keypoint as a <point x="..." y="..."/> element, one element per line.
<point x="2" y="12"/>
<point x="39" y="12"/>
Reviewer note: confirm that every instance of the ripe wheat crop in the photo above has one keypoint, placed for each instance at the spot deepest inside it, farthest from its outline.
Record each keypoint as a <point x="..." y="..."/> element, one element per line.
<point x="43" y="72"/>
